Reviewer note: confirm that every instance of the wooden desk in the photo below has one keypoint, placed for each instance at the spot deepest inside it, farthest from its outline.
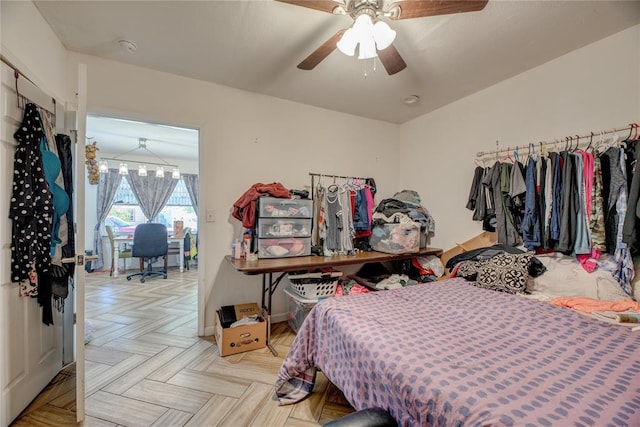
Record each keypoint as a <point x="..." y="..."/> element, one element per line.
<point x="129" y="240"/>
<point x="283" y="266"/>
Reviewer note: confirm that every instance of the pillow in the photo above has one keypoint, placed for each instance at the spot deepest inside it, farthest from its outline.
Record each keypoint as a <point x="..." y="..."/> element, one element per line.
<point x="504" y="272"/>
<point x="566" y="277"/>
<point x="467" y="270"/>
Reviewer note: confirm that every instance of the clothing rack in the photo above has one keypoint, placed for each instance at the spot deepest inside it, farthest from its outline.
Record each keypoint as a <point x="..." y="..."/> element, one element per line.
<point x="323" y="175"/>
<point x="334" y="176"/>
<point x="584" y="139"/>
<point x="23" y="100"/>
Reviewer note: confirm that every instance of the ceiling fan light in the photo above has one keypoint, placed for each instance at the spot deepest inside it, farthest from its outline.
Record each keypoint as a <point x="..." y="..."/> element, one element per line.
<point x="347" y="43"/>
<point x="367" y="49"/>
<point x="383" y="35"/>
<point x="363" y="27"/>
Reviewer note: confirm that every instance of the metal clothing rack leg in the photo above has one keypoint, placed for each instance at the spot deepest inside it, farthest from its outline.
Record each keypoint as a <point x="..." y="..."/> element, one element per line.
<point x="267" y="293"/>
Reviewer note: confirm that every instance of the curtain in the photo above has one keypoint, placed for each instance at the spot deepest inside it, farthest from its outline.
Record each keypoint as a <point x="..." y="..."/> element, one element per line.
<point x="152" y="192"/>
<point x="107" y="186"/>
<point x="191" y="182"/>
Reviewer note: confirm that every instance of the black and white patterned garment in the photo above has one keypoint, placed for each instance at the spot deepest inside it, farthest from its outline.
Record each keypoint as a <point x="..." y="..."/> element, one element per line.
<point x="30" y="208"/>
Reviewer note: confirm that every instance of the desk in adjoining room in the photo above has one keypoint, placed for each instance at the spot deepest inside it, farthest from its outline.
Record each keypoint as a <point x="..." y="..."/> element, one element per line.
<point x="129" y="241"/>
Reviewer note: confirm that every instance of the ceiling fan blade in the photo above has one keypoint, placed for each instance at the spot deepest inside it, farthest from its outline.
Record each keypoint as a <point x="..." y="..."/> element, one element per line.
<point x="322" y="52"/>
<point x="419" y="8"/>
<point x="391" y="60"/>
<point x="329" y="6"/>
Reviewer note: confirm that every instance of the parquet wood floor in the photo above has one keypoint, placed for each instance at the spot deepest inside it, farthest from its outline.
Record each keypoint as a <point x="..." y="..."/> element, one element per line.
<point x="146" y="366"/>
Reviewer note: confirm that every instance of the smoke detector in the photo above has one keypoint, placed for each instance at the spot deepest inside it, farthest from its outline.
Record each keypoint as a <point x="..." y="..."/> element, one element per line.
<point x="411" y="100"/>
<point x="128" y="46"/>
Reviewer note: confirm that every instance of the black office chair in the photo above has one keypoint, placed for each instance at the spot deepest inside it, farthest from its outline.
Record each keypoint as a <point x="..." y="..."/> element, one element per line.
<point x="150" y="242"/>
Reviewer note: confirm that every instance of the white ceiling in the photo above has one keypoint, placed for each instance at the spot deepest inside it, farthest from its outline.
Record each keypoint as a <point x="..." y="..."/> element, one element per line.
<point x="256" y="45"/>
<point x="121" y="138"/>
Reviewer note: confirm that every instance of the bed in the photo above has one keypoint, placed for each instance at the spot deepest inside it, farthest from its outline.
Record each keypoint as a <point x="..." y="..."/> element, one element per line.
<point x="451" y="354"/>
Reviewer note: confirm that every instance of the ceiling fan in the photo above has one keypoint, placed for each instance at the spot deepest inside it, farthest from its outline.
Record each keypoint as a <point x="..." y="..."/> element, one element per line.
<point x="368" y="13"/>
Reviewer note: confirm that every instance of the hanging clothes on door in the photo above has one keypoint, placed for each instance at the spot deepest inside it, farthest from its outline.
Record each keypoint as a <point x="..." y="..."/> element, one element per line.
<point x="31" y="210"/>
<point x="62" y="275"/>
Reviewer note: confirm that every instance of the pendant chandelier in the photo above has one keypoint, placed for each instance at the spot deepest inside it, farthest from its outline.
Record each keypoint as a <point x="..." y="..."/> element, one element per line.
<point x="143" y="170"/>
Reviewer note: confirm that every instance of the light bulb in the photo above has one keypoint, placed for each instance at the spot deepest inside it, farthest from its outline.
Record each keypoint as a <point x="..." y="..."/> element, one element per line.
<point x="123" y="169"/>
<point x="363" y="27"/>
<point x="175" y="174"/>
<point x="383" y="35"/>
<point x="159" y="172"/>
<point x="347" y="43"/>
<point x="103" y="167"/>
<point x="367" y="49"/>
<point x="142" y="170"/>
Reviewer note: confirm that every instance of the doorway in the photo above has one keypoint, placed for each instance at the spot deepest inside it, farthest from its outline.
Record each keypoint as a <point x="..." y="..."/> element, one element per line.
<point x="132" y="326"/>
<point x="135" y="328"/>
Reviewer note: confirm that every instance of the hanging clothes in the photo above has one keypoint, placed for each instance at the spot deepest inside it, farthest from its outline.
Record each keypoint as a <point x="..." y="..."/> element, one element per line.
<point x="548" y="207"/>
<point x="557" y="196"/>
<point x="531" y="224"/>
<point x="624" y="264"/>
<point x="596" y="223"/>
<point x="507" y="233"/>
<point x="582" y="244"/>
<point x="631" y="229"/>
<point x="568" y="205"/>
<point x="62" y="276"/>
<point x="337" y="217"/>
<point x="31" y="214"/>
<point x="541" y="167"/>
<point x="613" y="180"/>
<point x="334" y="212"/>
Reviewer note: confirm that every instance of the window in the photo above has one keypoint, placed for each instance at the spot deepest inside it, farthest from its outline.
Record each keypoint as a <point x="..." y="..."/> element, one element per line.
<point x="126" y="209"/>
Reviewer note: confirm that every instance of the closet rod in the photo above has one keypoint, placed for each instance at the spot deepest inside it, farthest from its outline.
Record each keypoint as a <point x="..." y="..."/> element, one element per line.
<point x="583" y="137"/>
<point x="334" y="176"/>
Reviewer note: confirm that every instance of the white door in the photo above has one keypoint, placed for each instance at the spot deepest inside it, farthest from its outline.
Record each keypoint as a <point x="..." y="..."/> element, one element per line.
<point x="32" y="352"/>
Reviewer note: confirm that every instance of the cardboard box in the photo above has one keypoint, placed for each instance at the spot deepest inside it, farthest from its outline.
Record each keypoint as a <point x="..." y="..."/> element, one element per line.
<point x="245" y="337"/>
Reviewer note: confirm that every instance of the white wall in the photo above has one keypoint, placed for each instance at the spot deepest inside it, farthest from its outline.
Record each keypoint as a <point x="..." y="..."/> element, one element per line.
<point x="30" y="44"/>
<point x="593" y="88"/>
<point x="244" y="138"/>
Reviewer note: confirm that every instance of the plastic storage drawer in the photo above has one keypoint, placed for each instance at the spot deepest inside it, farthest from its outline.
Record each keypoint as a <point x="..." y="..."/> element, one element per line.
<point x="284" y="227"/>
<point x="284" y="248"/>
<point x="299" y="308"/>
<point x="269" y="207"/>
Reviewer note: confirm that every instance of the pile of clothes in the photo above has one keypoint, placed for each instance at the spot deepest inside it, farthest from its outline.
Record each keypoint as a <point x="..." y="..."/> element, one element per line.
<point x="405" y="207"/>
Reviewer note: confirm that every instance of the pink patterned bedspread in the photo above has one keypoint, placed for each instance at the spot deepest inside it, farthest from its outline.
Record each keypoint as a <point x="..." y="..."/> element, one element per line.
<point x="450" y="354"/>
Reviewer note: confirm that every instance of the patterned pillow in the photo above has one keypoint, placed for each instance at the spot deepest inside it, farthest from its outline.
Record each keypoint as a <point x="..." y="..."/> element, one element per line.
<point x="467" y="270"/>
<point x="505" y="272"/>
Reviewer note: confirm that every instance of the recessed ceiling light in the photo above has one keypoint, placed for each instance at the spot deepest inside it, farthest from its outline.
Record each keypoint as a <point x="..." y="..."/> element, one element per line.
<point x="128" y="46"/>
<point x="411" y="100"/>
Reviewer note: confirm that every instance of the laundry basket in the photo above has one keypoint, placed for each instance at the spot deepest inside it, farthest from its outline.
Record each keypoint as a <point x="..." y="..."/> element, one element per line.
<point x="316" y="284"/>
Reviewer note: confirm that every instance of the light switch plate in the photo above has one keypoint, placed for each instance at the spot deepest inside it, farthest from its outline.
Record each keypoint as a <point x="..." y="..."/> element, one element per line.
<point x="211" y="215"/>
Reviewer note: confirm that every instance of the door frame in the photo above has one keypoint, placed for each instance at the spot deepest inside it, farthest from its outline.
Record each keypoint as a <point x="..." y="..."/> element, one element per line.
<point x="81" y="122"/>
